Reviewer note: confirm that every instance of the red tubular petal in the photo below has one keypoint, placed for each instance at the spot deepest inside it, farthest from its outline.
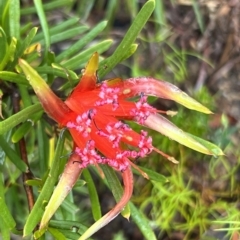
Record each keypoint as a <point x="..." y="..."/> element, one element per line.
<point x="128" y="189"/>
<point x="89" y="77"/>
<point x="150" y="86"/>
<point x="52" y="105"/>
<point x="69" y="177"/>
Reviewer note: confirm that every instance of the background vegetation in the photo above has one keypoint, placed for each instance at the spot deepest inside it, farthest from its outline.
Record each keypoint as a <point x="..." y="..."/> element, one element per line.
<point x="193" y="44"/>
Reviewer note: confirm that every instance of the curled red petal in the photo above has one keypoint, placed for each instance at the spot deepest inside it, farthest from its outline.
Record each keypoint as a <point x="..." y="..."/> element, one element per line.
<point x="128" y="189"/>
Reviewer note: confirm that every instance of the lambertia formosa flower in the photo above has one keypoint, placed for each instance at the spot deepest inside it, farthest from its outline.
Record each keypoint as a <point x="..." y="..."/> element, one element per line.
<point x="94" y="114"/>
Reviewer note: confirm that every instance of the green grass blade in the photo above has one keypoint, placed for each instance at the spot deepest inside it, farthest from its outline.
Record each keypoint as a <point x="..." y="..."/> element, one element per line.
<point x="129" y="38"/>
<point x="19" y="117"/>
<point x="76" y="47"/>
<point x="95" y="205"/>
<point x="142" y="222"/>
<point x="198" y="14"/>
<point x="46" y="192"/>
<point x="159" y="12"/>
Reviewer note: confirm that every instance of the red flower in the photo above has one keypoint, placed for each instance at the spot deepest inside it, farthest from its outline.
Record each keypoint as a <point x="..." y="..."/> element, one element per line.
<point x="94" y="114"/>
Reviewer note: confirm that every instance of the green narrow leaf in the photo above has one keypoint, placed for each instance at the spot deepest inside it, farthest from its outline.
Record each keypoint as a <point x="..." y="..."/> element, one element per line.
<point x="84" y="8"/>
<point x="127" y="54"/>
<point x="198" y="14"/>
<point x="9" y="56"/>
<point x="24" y="45"/>
<point x="6" y="217"/>
<point x="14" y="18"/>
<point x="215" y="150"/>
<point x="129" y="37"/>
<point x="142" y="223"/>
<point x="44" y="24"/>
<point x="3" y="44"/>
<point x="57" y="71"/>
<point x="19" y="117"/>
<point x="56" y="234"/>
<point x="115" y="186"/>
<point x="83" y="57"/>
<point x="21" y="131"/>
<point x="46" y="192"/>
<point x="57" y="29"/>
<point x="4" y="230"/>
<point x="67" y="224"/>
<point x="13" y="77"/>
<point x="47" y="6"/>
<point x="153" y="176"/>
<point x="76" y="47"/>
<point x="43" y="148"/>
<point x="68" y="34"/>
<point x="25" y="97"/>
<point x="160" y="12"/>
<point x="96" y="209"/>
<point x="12" y="155"/>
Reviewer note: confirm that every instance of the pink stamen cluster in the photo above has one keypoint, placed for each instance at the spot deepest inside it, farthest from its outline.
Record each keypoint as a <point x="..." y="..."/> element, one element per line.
<point x="142" y="110"/>
<point x="114" y="132"/>
<point x="108" y="95"/>
<point x="90" y="156"/>
<point x="83" y="122"/>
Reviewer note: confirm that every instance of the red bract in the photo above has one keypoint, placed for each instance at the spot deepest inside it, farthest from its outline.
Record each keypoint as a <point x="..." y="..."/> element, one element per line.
<point x="94" y="114"/>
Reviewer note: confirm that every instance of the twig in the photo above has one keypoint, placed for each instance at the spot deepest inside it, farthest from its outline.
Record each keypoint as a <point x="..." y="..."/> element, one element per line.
<point x="23" y="152"/>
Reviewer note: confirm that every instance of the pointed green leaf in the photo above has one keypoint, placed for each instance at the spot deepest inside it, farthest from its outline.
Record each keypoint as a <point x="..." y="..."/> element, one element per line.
<point x="44" y="24"/>
<point x="13" y="77"/>
<point x="67" y="34"/>
<point x="19" y="117"/>
<point x="9" y="56"/>
<point x="3" y="44"/>
<point x="56" y="234"/>
<point x="23" y="46"/>
<point x="57" y="29"/>
<point x="153" y="176"/>
<point x="83" y="57"/>
<point x="95" y="204"/>
<point x="12" y="155"/>
<point x="14" y="18"/>
<point x="5" y="215"/>
<point x="21" y="131"/>
<point x="76" y="47"/>
<point x="129" y="37"/>
<point x="142" y="222"/>
<point x="215" y="150"/>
